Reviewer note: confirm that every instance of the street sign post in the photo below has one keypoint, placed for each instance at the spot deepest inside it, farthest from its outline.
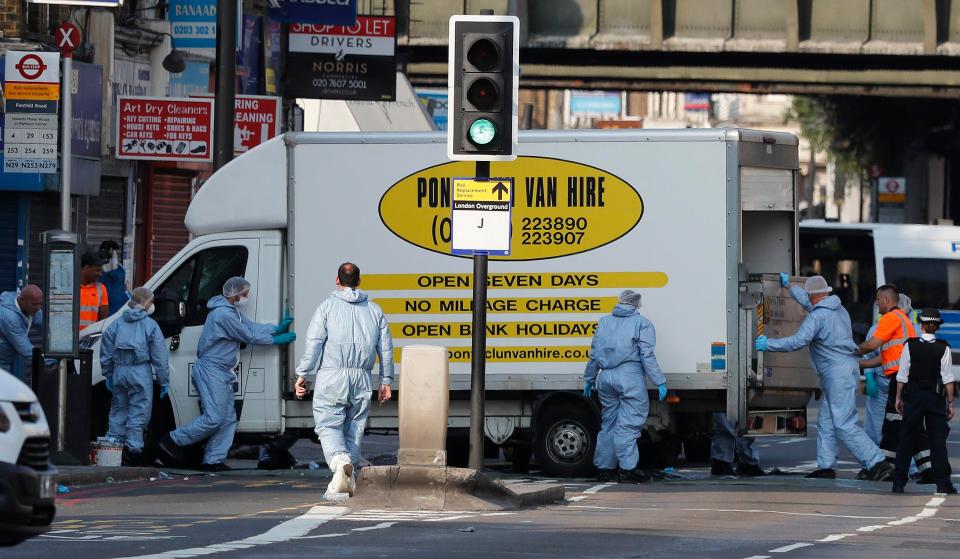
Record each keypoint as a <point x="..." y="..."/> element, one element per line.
<point x="480" y="216"/>
<point x="482" y="88"/>
<point x="68" y="38"/>
<point x="31" y="92"/>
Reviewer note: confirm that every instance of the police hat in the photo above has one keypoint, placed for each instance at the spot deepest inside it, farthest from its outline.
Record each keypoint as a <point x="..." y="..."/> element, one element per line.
<point x="931" y="316"/>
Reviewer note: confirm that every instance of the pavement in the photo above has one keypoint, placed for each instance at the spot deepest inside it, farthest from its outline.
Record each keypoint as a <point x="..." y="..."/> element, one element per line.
<point x="247" y="514"/>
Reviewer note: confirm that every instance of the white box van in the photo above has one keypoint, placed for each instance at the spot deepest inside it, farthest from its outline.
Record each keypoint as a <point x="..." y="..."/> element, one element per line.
<point x="28" y="482"/>
<point x="923" y="261"/>
<point x="691" y="218"/>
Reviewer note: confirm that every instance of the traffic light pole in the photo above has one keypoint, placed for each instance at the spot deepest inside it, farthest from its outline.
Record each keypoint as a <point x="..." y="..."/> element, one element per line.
<point x="478" y="360"/>
<point x="226" y="92"/>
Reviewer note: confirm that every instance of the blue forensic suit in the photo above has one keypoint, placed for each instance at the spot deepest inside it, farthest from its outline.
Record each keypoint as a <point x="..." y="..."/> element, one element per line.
<point x="347" y="334"/>
<point x="623" y="349"/>
<point x="15" y="334"/>
<point x="828" y="333"/>
<point x="218" y="353"/>
<point x="132" y="349"/>
<point x="726" y="444"/>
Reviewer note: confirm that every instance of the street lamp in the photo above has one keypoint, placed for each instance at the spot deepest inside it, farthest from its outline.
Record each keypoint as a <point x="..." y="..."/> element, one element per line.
<point x="173" y="62"/>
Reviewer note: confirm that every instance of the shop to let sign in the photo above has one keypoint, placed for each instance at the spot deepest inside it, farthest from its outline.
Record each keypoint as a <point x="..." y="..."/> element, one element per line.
<point x="354" y="62"/>
<point x="165" y="129"/>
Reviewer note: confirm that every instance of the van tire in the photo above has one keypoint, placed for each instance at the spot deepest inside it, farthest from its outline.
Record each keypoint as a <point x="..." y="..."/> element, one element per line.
<point x="566" y="439"/>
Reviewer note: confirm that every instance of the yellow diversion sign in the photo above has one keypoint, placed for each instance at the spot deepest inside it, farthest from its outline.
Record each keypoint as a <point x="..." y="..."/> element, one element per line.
<point x="559" y="207"/>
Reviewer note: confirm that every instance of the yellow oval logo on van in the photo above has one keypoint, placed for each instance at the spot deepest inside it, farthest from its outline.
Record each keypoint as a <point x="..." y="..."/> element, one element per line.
<point x="559" y="207"/>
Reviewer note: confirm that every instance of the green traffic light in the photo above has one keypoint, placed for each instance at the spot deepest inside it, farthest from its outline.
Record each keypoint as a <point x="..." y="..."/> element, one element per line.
<point x="482" y="132"/>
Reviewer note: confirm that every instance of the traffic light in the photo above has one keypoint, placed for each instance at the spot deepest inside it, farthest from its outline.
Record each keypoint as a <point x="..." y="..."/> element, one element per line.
<point x="483" y="83"/>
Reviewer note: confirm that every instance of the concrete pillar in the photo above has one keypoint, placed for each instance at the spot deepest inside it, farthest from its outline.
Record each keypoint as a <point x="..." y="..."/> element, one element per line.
<point x="424" y="403"/>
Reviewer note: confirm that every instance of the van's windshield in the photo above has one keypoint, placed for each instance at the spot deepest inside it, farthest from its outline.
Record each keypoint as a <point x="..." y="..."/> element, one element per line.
<point x="930" y="282"/>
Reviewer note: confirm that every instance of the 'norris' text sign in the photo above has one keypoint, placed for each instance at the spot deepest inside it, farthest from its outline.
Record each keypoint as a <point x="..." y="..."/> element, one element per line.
<point x="165" y="129"/>
<point x="343" y="62"/>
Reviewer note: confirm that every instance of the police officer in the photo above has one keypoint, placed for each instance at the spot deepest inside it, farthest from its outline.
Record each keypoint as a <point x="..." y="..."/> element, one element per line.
<point x="925" y="395"/>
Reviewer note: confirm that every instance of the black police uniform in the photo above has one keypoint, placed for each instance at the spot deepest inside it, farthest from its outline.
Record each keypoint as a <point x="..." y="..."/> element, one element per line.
<point x="924" y="401"/>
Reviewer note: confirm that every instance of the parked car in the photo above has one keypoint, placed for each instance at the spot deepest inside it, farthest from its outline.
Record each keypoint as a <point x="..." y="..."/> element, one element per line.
<point x="28" y="482"/>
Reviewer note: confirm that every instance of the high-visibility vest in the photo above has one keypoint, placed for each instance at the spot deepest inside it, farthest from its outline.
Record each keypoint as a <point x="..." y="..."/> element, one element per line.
<point x="91" y="299"/>
<point x="892" y="349"/>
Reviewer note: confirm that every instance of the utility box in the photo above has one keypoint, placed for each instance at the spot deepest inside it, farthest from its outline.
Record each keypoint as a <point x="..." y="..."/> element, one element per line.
<point x="424" y="401"/>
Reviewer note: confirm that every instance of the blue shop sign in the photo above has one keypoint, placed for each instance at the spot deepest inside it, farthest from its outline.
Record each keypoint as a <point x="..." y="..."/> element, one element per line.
<point x="329" y="12"/>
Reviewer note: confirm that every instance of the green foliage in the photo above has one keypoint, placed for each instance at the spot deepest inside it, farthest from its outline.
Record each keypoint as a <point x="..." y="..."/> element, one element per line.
<point x="861" y="131"/>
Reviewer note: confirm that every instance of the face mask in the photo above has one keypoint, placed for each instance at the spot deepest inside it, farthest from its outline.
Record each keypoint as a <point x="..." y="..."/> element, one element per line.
<point x="242" y="301"/>
<point x="150" y="309"/>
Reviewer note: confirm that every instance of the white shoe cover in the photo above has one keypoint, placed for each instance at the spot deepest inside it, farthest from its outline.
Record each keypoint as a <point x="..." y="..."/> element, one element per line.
<point x="342" y="475"/>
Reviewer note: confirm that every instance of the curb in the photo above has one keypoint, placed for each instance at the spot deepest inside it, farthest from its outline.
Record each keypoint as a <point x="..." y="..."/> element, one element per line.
<point x="73" y="476"/>
<point x="446" y="488"/>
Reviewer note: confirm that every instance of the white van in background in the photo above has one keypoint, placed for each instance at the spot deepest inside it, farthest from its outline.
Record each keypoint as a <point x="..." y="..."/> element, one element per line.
<point x="923" y="261"/>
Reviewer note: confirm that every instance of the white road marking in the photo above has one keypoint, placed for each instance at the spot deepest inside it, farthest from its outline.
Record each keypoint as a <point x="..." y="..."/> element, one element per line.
<point x="758" y="557"/>
<point x="935" y="502"/>
<point x="871" y="528"/>
<point x="577" y="498"/>
<point x="596" y="488"/>
<point x="835" y="538"/>
<point x="498" y="514"/>
<point x="794" y="513"/>
<point x="791" y="547"/>
<point x="926" y="513"/>
<point x="380" y="526"/>
<point x="445" y="518"/>
<point x="321" y="536"/>
<point x="285" y="531"/>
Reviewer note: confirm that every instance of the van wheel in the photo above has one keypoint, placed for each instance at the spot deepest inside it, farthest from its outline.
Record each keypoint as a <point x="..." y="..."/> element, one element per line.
<point x="566" y="440"/>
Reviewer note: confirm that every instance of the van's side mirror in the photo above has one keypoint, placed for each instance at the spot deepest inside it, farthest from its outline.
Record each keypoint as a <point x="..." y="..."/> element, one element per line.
<point x="170" y="313"/>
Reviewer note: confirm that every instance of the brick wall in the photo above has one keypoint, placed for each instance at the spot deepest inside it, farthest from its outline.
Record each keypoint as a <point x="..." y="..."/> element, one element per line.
<point x="11" y="18"/>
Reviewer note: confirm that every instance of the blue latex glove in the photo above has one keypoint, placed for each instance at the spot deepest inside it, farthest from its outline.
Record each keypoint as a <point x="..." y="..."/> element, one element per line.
<point x="110" y="384"/>
<point x="284" y="324"/>
<point x="784" y="280"/>
<point x="284" y="338"/>
<point x="761" y="344"/>
<point x="164" y="390"/>
<point x="587" y="389"/>
<point x="872" y="390"/>
<point x="662" y="392"/>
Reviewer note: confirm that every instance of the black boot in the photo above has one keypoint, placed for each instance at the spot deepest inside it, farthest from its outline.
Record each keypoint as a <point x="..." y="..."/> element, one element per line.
<point x="721" y="468"/>
<point x="897" y="488"/>
<point x="217" y="467"/>
<point x="946" y="487"/>
<point x="926" y="477"/>
<point x="132" y="459"/>
<point x="750" y="470"/>
<point x="635" y="475"/>
<point x="606" y="476"/>
<point x="823" y="473"/>
<point x="171" y="454"/>
<point x="882" y="471"/>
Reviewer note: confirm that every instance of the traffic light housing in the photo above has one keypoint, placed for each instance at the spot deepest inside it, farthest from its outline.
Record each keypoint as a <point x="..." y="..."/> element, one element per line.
<point x="483" y="85"/>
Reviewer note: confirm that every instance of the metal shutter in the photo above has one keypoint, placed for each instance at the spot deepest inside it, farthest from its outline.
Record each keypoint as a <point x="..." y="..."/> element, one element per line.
<point x="170" y="194"/>
<point x="9" y="219"/>
<point x="105" y="215"/>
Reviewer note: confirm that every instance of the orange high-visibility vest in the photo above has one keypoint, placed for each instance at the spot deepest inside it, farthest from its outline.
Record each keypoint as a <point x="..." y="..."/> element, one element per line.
<point x="901" y="330"/>
<point x="92" y="297"/>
